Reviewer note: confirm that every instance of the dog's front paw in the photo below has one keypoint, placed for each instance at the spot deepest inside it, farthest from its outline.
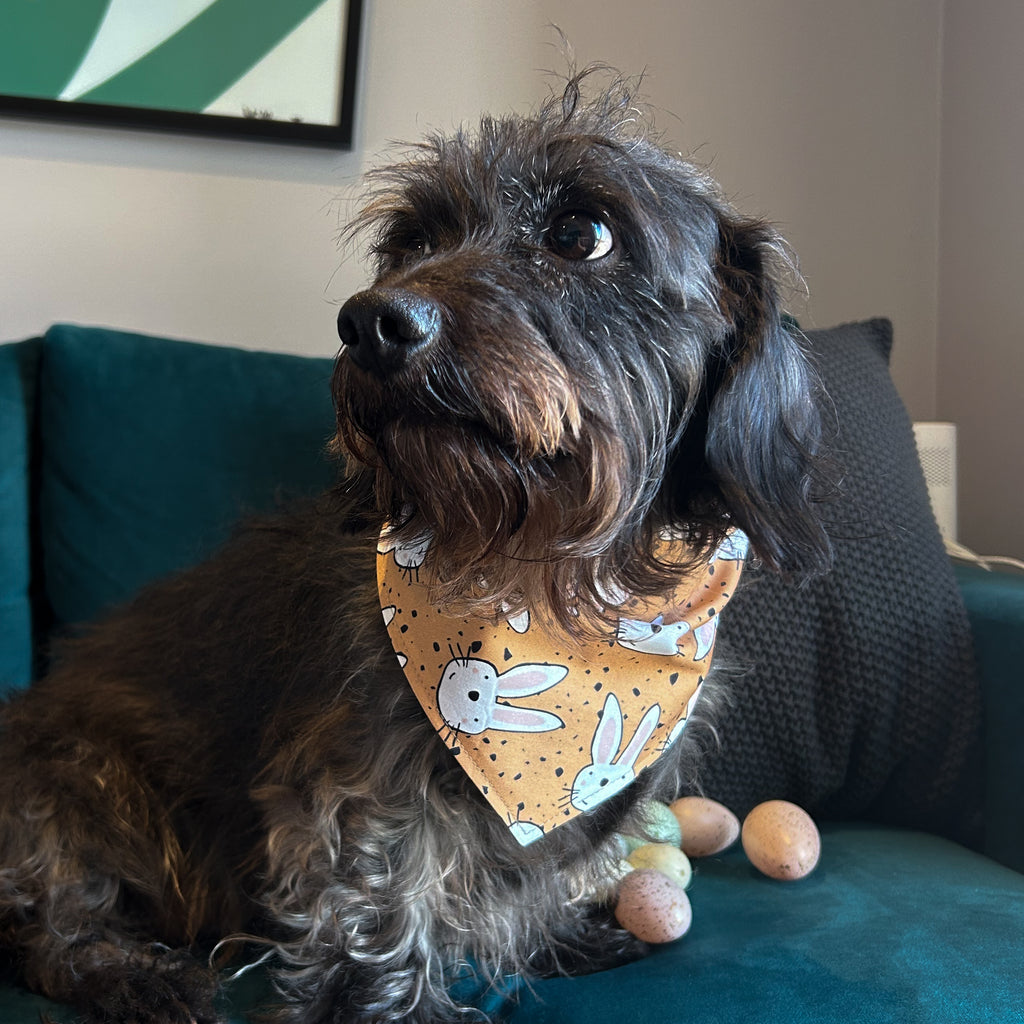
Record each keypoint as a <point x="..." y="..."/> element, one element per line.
<point x="163" y="987"/>
<point x="599" y="945"/>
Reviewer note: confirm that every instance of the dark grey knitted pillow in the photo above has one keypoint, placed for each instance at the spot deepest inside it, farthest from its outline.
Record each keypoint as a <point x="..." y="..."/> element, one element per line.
<point x="862" y="699"/>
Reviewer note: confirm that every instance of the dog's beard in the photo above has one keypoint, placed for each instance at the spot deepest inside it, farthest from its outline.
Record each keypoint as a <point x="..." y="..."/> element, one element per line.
<point x="532" y="500"/>
<point x="563" y="416"/>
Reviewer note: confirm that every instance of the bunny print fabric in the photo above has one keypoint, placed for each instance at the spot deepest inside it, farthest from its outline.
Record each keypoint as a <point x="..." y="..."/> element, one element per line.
<point x="547" y="727"/>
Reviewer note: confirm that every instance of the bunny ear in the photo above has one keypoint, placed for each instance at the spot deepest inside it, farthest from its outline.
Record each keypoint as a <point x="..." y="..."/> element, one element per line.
<point x="521" y="622"/>
<point x="609" y="732"/>
<point x="643" y="733"/>
<point x="526" y="680"/>
<point x="511" y="719"/>
<point x="633" y="631"/>
<point x="734" y="548"/>
<point x="705" y="637"/>
<point x="409" y="553"/>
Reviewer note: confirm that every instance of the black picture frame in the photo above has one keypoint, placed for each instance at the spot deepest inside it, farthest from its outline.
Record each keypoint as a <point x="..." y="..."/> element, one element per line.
<point x="337" y="134"/>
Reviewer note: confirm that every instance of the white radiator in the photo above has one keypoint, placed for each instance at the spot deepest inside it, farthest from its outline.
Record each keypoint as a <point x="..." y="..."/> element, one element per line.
<point x="936" y="448"/>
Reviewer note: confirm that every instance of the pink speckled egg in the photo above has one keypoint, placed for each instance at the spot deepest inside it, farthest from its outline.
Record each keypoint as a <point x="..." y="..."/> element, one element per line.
<point x="652" y="907"/>
<point x="708" y="827"/>
<point x="781" y="840"/>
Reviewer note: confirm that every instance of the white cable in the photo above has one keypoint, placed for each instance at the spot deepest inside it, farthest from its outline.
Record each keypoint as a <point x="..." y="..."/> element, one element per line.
<point x="963" y="554"/>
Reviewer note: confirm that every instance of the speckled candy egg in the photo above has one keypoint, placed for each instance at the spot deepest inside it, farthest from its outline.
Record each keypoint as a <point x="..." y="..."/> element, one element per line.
<point x="781" y="840"/>
<point x="669" y="860"/>
<point x="707" y="827"/>
<point x="660" y="826"/>
<point x="652" y="907"/>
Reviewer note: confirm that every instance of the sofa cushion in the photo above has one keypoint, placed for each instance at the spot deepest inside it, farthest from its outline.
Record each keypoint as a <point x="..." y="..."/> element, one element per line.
<point x="18" y="368"/>
<point x="893" y="926"/>
<point x="153" y="448"/>
<point x="859" y="696"/>
<point x="995" y="603"/>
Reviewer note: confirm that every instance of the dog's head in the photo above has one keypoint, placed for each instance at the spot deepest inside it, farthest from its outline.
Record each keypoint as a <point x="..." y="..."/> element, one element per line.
<point x="572" y="343"/>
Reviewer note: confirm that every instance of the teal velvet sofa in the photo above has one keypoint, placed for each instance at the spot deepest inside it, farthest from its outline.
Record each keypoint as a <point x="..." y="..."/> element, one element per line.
<point x="887" y="699"/>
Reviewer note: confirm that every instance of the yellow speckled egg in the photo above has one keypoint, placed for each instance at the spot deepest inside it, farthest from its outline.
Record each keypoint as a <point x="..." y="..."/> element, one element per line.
<point x="781" y="840"/>
<point x="707" y="827"/>
<point x="619" y="869"/>
<point x="669" y="860"/>
<point x="652" y="907"/>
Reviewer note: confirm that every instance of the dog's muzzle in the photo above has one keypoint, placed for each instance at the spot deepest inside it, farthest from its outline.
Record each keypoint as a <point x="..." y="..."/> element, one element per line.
<point x="382" y="327"/>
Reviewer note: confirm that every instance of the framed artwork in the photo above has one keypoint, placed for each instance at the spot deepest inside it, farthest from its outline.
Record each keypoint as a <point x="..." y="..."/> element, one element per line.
<point x="270" y="69"/>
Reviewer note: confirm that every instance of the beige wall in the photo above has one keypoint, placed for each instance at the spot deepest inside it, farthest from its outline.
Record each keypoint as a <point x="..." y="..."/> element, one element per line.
<point x="823" y="116"/>
<point x="823" y="120"/>
<point x="981" y="308"/>
<point x="228" y="241"/>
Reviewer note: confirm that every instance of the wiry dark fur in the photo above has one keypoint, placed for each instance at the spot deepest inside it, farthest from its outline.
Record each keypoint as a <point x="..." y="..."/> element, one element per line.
<point x="671" y="350"/>
<point x="237" y="750"/>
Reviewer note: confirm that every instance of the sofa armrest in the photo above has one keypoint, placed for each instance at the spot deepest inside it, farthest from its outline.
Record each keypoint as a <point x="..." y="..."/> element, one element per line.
<point x="995" y="604"/>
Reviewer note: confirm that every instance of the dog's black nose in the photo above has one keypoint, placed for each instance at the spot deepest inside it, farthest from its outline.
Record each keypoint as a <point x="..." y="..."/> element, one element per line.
<point x="383" y="326"/>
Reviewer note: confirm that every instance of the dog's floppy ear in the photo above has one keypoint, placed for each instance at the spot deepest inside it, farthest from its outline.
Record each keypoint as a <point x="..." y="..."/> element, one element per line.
<point x="764" y="439"/>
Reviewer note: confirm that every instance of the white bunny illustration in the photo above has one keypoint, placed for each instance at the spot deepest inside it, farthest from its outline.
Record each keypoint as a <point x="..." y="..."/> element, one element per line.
<point x="409" y="555"/>
<point x="705" y="634"/>
<point x="734" y="548"/>
<point x="520" y="622"/>
<point x="652" y="637"/>
<point x="389" y="612"/>
<point x="677" y="729"/>
<point x="608" y="775"/>
<point x="524" y="832"/>
<point x="468" y="693"/>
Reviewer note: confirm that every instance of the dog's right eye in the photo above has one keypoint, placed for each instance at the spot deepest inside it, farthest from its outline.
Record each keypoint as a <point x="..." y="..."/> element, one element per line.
<point x="414" y="247"/>
<point x="404" y="243"/>
<point x="579" y="236"/>
<point x="419" y="246"/>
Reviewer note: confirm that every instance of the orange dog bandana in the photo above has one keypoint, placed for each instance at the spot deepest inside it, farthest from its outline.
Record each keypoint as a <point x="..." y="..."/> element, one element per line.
<point x="536" y="719"/>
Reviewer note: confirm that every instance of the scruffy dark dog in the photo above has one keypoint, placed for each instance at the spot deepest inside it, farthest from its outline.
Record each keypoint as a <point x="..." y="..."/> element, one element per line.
<point x="573" y="344"/>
